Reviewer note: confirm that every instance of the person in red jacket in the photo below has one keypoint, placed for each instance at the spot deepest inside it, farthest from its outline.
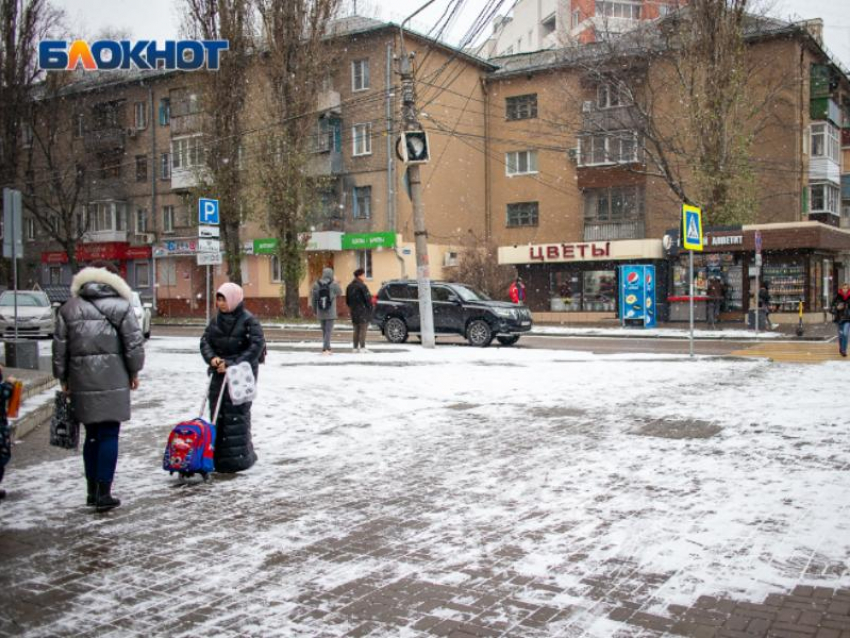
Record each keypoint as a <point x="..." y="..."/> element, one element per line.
<point x="517" y="291"/>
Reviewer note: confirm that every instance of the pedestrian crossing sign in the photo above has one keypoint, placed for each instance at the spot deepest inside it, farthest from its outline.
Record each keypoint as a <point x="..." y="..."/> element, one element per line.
<point x="691" y="228"/>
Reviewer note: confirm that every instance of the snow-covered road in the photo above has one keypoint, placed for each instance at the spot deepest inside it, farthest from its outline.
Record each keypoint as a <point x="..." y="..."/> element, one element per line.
<point x="551" y="480"/>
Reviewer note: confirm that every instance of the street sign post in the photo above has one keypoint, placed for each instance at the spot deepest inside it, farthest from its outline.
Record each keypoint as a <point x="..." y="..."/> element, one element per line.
<point x="692" y="239"/>
<point x="12" y="244"/>
<point x="208" y="221"/>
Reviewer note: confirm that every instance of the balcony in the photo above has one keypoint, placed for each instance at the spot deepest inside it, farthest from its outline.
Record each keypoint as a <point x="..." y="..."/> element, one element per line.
<point x="186" y="124"/>
<point x="617" y="118"/>
<point x="104" y="139"/>
<point x="611" y="231"/>
<point x="103" y="236"/>
<point x="324" y="163"/>
<point x="328" y="101"/>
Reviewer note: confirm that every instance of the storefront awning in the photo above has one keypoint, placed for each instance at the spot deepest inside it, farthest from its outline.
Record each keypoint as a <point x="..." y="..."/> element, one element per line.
<point x="626" y="250"/>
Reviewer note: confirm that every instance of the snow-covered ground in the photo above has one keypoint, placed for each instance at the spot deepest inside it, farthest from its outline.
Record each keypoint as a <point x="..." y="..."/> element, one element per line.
<point x="660" y="475"/>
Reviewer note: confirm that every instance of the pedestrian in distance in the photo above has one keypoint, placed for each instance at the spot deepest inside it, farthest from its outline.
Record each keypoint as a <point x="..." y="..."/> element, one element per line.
<point x="840" y="309"/>
<point x="234" y="335"/>
<point x="323" y="302"/>
<point x="98" y="352"/>
<point x="359" y="301"/>
<point x="517" y="291"/>
<point x="715" y="300"/>
<point x="764" y="304"/>
<point x="6" y="391"/>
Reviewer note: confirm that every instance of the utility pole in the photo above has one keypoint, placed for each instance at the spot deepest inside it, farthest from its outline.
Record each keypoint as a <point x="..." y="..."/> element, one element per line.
<point x="411" y="123"/>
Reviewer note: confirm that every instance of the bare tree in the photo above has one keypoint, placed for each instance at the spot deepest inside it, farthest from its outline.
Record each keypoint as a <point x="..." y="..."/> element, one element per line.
<point x="478" y="266"/>
<point x="694" y="99"/>
<point x="56" y="177"/>
<point x="224" y="96"/>
<point x="295" y="60"/>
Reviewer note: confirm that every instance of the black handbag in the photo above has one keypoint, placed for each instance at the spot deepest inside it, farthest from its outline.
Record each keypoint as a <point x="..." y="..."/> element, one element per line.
<point x="64" y="427"/>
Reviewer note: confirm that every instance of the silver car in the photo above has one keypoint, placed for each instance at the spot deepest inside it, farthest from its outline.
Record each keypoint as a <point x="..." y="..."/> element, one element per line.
<point x="143" y="314"/>
<point x="35" y="314"/>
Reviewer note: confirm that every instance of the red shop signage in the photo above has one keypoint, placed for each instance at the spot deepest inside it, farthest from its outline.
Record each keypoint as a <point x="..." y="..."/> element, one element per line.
<point x="568" y="252"/>
<point x="113" y="250"/>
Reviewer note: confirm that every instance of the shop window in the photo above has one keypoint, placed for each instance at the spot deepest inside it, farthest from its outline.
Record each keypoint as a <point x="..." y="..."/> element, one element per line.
<point x="590" y="291"/>
<point x="521" y="162"/>
<point x="521" y="107"/>
<point x="522" y="214"/>
<point x="143" y="274"/>
<point x="54" y="275"/>
<point x="727" y="266"/>
<point x="362" y="202"/>
<point x="364" y="261"/>
<point x="359" y="75"/>
<point x="276" y="272"/>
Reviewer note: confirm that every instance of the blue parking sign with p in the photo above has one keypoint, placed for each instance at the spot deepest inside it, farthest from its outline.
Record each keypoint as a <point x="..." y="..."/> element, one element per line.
<point x="208" y="211"/>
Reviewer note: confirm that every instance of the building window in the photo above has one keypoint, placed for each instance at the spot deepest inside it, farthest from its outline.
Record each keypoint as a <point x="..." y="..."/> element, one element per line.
<point x="165" y="166"/>
<point x="106" y="216"/>
<point x="141" y="221"/>
<point x="110" y="165"/>
<point x="78" y="125"/>
<point x="140" y="115"/>
<point x="276" y="274"/>
<point x="54" y="274"/>
<point x="521" y="107"/>
<point x="143" y="274"/>
<point x="364" y="261"/>
<point x="362" y="137"/>
<point x="618" y="9"/>
<point x="576" y="18"/>
<point x="824" y="198"/>
<point x="165" y="111"/>
<point x="168" y="219"/>
<point x="187" y="152"/>
<point x="29" y="228"/>
<point x="362" y="202"/>
<point x="141" y="168"/>
<point x="620" y="203"/>
<point x="520" y="162"/>
<point x="360" y="75"/>
<point x="826" y="141"/>
<point x="522" y="214"/>
<point x="166" y="272"/>
<point x="608" y="96"/>
<point x="26" y="134"/>
<point x="609" y="148"/>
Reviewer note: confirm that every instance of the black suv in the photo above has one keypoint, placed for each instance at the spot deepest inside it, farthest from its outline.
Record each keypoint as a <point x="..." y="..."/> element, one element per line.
<point x="458" y="309"/>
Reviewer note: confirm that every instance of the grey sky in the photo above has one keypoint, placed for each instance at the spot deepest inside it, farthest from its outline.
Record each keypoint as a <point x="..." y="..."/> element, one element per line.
<point x="158" y="19"/>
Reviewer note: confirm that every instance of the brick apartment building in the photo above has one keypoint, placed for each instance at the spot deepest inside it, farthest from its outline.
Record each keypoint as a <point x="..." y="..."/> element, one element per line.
<point x="524" y="156"/>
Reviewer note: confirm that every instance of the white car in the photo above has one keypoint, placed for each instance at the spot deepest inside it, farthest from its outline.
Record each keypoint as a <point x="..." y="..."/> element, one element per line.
<point x="35" y="314"/>
<point x="143" y="314"/>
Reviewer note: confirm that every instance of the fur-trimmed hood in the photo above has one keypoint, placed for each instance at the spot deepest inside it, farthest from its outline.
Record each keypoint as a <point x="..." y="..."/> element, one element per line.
<point x="100" y="276"/>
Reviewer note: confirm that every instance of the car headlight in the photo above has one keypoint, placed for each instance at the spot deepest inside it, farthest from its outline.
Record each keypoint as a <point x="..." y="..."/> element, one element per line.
<point x="507" y="313"/>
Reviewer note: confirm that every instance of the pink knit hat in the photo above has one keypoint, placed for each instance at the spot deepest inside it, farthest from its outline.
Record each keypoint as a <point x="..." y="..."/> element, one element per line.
<point x="232" y="293"/>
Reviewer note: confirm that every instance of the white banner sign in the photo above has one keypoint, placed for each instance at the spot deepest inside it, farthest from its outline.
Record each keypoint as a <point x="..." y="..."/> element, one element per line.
<point x="209" y="259"/>
<point x="209" y="246"/>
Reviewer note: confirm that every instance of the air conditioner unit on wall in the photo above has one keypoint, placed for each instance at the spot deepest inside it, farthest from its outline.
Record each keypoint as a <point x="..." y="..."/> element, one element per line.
<point x="587" y="106"/>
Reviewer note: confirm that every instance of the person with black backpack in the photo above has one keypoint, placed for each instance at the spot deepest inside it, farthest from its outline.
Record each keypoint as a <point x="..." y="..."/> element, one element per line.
<point x="323" y="302"/>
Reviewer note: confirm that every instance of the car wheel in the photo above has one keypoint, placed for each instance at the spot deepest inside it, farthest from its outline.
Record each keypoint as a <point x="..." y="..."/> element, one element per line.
<point x="479" y="334"/>
<point x="395" y="330"/>
<point x="508" y="340"/>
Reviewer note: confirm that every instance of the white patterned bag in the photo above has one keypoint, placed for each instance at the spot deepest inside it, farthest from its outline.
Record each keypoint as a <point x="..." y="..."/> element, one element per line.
<point x="241" y="384"/>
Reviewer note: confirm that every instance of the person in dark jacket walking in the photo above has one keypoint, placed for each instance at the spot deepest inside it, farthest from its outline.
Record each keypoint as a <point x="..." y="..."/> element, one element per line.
<point x="234" y="335"/>
<point x="323" y="302"/>
<point x="98" y="352"/>
<point x="359" y="301"/>
<point x="764" y="304"/>
<point x="840" y="309"/>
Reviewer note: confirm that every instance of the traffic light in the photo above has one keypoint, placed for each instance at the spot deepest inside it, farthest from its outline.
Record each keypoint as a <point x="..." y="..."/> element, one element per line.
<point x="414" y="147"/>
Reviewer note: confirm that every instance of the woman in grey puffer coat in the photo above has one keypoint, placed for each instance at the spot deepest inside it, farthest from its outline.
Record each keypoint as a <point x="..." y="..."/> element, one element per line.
<point x="98" y="351"/>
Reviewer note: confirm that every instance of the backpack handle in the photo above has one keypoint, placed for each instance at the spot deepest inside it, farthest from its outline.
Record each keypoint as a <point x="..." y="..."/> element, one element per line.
<point x="218" y="402"/>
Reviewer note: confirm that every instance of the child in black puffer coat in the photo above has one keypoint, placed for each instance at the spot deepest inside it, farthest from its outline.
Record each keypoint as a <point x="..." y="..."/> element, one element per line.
<point x="234" y="335"/>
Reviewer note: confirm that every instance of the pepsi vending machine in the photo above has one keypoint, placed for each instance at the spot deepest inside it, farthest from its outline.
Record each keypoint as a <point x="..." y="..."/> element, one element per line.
<point x="637" y="294"/>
